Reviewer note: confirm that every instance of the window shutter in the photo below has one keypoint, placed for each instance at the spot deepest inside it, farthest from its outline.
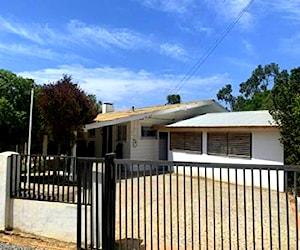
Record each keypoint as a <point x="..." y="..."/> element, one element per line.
<point x="190" y="141"/>
<point x="217" y="143"/>
<point x="177" y="140"/>
<point x="239" y="144"/>
<point x="193" y="141"/>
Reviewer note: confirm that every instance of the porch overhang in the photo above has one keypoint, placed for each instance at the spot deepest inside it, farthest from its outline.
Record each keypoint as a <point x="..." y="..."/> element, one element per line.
<point x="170" y="113"/>
<point x="101" y="124"/>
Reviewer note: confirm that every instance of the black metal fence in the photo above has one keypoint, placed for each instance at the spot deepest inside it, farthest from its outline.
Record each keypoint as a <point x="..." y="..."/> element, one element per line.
<point x="49" y="178"/>
<point x="96" y="223"/>
<point x="181" y="205"/>
<point x="167" y="205"/>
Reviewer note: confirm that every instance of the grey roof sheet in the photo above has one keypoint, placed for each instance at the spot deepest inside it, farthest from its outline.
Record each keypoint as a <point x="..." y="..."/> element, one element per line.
<point x="229" y="119"/>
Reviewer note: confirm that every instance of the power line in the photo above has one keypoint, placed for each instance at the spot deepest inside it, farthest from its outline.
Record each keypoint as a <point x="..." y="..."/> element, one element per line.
<point x="204" y="57"/>
<point x="197" y="44"/>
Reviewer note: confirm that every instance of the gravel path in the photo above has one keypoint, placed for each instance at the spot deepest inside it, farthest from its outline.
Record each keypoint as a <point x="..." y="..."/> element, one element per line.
<point x="191" y="213"/>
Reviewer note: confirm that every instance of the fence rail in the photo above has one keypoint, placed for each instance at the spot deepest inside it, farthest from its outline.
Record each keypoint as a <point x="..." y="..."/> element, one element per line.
<point x="50" y="178"/>
<point x="184" y="205"/>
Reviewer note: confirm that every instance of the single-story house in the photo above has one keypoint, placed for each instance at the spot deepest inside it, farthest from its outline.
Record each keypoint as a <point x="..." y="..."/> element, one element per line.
<point x="248" y="137"/>
<point x="131" y="133"/>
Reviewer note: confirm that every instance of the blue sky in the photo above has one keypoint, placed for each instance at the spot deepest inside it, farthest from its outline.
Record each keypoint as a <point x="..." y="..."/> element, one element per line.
<point x="136" y="52"/>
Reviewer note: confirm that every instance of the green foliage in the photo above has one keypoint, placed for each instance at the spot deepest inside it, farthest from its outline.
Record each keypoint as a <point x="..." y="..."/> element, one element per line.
<point x="225" y="94"/>
<point x="285" y="110"/>
<point x="173" y="99"/>
<point x="14" y="109"/>
<point x="97" y="103"/>
<point x="253" y="93"/>
<point x="65" y="108"/>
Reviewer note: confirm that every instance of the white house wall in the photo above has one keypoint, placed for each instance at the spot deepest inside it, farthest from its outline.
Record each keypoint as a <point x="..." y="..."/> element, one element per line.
<point x="143" y="148"/>
<point x="266" y="149"/>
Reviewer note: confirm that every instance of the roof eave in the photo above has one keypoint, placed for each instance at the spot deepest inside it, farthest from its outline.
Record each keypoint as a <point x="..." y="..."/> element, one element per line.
<point x="194" y="128"/>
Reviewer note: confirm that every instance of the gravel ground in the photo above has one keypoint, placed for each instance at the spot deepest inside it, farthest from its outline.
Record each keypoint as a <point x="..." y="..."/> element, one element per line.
<point x="184" y="214"/>
<point x="20" y="240"/>
<point x="4" y="246"/>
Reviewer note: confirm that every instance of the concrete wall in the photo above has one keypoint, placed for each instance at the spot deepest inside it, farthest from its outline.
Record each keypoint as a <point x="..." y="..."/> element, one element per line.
<point x="4" y="190"/>
<point x="48" y="219"/>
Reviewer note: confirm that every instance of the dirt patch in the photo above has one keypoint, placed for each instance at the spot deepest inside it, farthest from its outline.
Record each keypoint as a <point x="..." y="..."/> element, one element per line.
<point x="18" y="238"/>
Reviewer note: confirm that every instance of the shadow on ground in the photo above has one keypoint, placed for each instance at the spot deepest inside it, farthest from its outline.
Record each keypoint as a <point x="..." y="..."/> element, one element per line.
<point x="130" y="244"/>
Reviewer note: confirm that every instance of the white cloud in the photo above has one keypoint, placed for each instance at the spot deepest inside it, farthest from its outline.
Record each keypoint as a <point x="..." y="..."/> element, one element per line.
<point x="248" y="47"/>
<point x="232" y="8"/>
<point x="173" y="50"/>
<point x="30" y="32"/>
<point x="19" y="49"/>
<point x="172" y="6"/>
<point x="104" y="37"/>
<point x="125" y="87"/>
<point x="28" y="50"/>
<point x="42" y="38"/>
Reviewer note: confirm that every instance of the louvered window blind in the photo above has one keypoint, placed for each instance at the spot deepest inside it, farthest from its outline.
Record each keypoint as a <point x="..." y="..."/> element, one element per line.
<point x="229" y="144"/>
<point x="190" y="141"/>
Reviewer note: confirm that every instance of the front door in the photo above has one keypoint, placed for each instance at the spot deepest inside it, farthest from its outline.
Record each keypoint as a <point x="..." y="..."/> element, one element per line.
<point x="163" y="146"/>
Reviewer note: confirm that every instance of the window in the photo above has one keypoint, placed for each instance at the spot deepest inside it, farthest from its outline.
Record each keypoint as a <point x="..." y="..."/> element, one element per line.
<point x="190" y="141"/>
<point x="229" y="144"/>
<point x="122" y="133"/>
<point x="148" y="132"/>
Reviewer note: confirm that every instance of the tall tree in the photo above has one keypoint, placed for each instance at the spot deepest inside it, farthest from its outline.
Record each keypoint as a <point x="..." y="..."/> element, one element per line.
<point x="65" y="108"/>
<point x="173" y="99"/>
<point x="254" y="93"/>
<point x="14" y="109"/>
<point x="285" y="110"/>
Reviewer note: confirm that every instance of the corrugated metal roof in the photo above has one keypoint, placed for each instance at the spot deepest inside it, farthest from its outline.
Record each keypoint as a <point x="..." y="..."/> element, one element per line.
<point x="260" y="118"/>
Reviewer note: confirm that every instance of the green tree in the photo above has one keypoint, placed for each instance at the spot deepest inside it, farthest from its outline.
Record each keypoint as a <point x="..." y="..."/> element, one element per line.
<point x="64" y="108"/>
<point x="14" y="109"/>
<point x="97" y="103"/>
<point x="285" y="110"/>
<point x="254" y="93"/>
<point x="225" y="94"/>
<point x="173" y="99"/>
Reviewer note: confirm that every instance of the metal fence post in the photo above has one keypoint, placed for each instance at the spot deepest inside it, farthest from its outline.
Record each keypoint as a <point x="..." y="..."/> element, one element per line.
<point x="108" y="202"/>
<point x="78" y="172"/>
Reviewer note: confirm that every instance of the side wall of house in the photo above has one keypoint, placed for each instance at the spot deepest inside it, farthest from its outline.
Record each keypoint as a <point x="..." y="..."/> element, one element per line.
<point x="142" y="148"/>
<point x="266" y="149"/>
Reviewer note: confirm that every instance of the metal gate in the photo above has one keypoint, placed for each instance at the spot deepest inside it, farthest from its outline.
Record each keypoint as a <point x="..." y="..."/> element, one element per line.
<point x="96" y="203"/>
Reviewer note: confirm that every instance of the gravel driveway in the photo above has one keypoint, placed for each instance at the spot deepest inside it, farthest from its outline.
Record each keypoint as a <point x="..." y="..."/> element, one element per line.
<point x="191" y="213"/>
